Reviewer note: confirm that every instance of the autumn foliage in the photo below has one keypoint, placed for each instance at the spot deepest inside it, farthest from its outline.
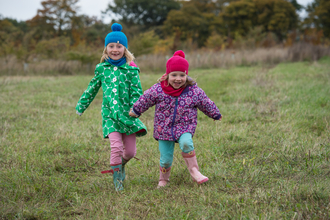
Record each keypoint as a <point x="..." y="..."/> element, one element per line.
<point x="57" y="31"/>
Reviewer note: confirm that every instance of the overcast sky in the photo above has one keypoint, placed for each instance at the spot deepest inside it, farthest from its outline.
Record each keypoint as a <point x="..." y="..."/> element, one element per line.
<point x="23" y="10"/>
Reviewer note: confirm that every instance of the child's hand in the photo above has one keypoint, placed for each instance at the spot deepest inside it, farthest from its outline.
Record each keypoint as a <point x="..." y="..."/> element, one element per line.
<point x="131" y="113"/>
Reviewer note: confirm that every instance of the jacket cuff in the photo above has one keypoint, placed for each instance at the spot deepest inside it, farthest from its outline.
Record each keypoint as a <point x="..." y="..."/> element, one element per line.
<point x="136" y="112"/>
<point x="218" y="117"/>
<point x="78" y="113"/>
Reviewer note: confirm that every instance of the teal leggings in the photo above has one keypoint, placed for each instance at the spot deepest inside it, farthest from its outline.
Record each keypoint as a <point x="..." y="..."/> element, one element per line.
<point x="166" y="149"/>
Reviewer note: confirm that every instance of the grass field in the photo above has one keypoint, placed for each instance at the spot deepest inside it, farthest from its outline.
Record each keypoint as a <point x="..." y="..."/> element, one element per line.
<point x="267" y="159"/>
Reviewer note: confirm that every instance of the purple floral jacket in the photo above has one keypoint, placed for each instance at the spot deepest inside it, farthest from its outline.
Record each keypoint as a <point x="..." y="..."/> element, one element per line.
<point x="175" y="115"/>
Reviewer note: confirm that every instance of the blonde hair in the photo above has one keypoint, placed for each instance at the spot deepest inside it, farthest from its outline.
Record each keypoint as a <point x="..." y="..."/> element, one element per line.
<point x="189" y="81"/>
<point x="129" y="56"/>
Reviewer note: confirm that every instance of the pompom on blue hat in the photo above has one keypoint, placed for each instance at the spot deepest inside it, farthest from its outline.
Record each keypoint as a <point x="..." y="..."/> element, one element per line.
<point x="116" y="36"/>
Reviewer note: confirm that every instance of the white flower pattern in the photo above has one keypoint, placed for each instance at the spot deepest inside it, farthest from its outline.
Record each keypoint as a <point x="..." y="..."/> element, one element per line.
<point x="121" y="89"/>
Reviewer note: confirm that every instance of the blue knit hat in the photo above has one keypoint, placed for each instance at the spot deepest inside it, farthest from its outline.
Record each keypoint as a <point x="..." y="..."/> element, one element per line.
<point x="116" y="36"/>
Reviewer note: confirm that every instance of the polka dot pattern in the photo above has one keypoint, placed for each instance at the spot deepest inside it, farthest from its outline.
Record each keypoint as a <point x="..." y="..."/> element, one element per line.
<point x="121" y="89"/>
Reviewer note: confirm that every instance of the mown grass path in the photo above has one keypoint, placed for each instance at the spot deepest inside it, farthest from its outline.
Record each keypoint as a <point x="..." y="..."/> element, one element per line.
<point x="267" y="159"/>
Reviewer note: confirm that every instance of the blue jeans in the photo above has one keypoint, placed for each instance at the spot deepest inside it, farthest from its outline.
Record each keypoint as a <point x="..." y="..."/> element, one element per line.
<point x="166" y="149"/>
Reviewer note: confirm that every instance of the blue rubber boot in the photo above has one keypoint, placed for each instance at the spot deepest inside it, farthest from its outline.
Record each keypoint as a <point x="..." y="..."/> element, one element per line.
<point x="123" y="168"/>
<point x="117" y="177"/>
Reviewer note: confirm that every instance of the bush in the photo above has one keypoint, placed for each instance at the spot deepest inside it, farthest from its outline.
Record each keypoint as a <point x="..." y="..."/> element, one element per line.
<point x="143" y="43"/>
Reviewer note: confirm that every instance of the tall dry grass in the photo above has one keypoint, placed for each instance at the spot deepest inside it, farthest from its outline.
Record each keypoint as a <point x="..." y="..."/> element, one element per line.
<point x="304" y="51"/>
<point x="230" y="58"/>
<point x="156" y="62"/>
<point x="12" y="67"/>
<point x="219" y="59"/>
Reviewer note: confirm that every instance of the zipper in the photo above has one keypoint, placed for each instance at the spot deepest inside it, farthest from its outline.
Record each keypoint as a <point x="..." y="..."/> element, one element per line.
<point x="176" y="105"/>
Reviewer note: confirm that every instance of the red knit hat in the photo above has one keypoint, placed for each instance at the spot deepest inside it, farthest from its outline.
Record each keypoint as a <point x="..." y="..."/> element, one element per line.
<point x="177" y="63"/>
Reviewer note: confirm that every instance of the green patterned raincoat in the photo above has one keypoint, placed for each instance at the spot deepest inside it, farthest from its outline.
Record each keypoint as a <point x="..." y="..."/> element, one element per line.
<point x="121" y="89"/>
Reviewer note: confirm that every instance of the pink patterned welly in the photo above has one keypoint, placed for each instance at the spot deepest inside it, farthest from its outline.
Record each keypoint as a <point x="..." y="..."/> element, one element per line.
<point x="175" y="115"/>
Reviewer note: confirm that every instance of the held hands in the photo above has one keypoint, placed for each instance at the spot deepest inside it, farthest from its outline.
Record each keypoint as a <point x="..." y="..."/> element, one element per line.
<point x="131" y="113"/>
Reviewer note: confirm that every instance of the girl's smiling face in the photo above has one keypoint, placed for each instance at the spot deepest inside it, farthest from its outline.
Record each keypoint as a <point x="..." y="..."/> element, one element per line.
<point x="115" y="51"/>
<point x="177" y="79"/>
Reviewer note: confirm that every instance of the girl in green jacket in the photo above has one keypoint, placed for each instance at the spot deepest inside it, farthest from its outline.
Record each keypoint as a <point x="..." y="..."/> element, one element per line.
<point x="119" y="78"/>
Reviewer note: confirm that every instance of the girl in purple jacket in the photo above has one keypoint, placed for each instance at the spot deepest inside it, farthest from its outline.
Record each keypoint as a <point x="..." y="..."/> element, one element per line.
<point x="177" y="98"/>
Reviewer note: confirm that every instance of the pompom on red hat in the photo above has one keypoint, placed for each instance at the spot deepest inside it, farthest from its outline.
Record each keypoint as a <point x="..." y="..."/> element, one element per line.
<point x="177" y="63"/>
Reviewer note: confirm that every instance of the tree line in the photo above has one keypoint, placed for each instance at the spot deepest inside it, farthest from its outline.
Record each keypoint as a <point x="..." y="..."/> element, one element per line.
<point x="57" y="31"/>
